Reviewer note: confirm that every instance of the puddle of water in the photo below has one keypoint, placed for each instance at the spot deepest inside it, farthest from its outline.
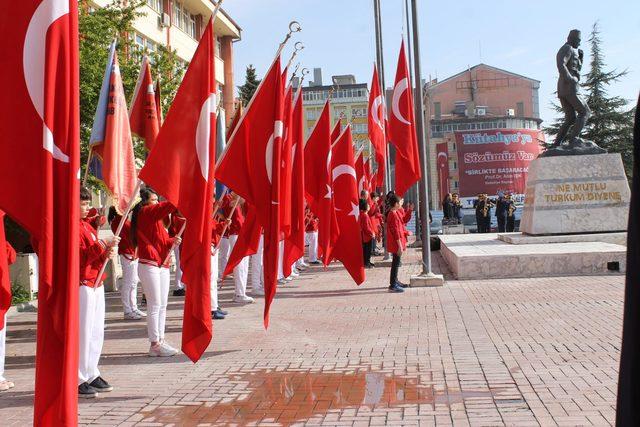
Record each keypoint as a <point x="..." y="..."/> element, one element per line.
<point x="288" y="397"/>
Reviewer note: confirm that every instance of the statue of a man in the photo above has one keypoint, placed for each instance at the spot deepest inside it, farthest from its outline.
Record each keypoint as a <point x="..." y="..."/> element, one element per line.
<point x="576" y="111"/>
<point x="569" y="61"/>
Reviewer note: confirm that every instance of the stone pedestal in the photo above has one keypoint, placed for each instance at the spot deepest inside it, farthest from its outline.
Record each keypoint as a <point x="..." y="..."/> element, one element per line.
<point x="576" y="194"/>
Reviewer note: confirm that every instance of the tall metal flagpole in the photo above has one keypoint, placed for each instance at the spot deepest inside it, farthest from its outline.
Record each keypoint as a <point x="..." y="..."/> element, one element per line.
<point x="383" y="89"/>
<point x="426" y="278"/>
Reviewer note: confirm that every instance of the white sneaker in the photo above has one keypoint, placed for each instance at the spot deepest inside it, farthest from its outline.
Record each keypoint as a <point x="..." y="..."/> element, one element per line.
<point x="258" y="292"/>
<point x="243" y="299"/>
<point x="294" y="273"/>
<point x="162" y="350"/>
<point x="140" y="313"/>
<point x="304" y="265"/>
<point x="288" y="279"/>
<point x="282" y="282"/>
<point x="132" y="316"/>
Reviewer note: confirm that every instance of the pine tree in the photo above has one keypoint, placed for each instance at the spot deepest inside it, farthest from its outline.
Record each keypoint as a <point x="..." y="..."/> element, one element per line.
<point x="250" y="85"/>
<point x="611" y="122"/>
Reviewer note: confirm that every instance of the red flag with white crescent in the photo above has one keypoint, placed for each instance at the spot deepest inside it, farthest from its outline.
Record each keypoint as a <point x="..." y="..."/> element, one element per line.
<point x="39" y="177"/>
<point x="443" y="168"/>
<point x="348" y="247"/>
<point x="403" y="131"/>
<point x="294" y="244"/>
<point x="376" y="125"/>
<point x="251" y="167"/>
<point x="181" y="168"/>
<point x="317" y="181"/>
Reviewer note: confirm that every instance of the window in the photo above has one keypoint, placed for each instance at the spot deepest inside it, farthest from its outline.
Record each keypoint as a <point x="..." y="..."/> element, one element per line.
<point x="359" y="128"/>
<point x="312" y="114"/>
<point x="218" y="47"/>
<point x="520" y="109"/>
<point x="358" y="112"/>
<point x="437" y="110"/>
<point x="183" y="19"/>
<point x="338" y="112"/>
<point x="155" y="5"/>
<point x="455" y="165"/>
<point x="455" y="184"/>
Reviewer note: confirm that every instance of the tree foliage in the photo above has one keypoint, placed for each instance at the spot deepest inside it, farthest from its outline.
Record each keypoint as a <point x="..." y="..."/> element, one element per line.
<point x="250" y="85"/>
<point x="611" y="122"/>
<point x="98" y="28"/>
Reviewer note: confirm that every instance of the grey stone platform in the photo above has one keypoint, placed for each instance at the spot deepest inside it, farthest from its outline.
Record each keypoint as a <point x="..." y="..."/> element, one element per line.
<point x="576" y="194"/>
<point x="478" y="256"/>
<point x="618" y="238"/>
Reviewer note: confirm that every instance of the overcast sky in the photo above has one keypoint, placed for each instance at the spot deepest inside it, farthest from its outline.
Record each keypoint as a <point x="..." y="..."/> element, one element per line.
<point x="519" y="36"/>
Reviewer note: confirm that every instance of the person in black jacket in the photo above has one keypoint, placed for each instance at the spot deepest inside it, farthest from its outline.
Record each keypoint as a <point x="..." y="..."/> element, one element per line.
<point x="501" y="213"/>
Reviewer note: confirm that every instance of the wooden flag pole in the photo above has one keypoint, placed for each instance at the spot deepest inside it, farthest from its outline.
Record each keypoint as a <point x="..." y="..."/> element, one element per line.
<point x="173" y="245"/>
<point x="86" y="171"/>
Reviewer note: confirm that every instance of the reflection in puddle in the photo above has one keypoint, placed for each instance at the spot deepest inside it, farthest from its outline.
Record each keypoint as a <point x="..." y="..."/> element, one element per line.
<point x="288" y="397"/>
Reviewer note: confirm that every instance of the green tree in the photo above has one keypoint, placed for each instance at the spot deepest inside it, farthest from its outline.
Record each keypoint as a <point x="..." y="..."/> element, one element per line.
<point x="250" y="85"/>
<point x="98" y="28"/>
<point x="611" y="122"/>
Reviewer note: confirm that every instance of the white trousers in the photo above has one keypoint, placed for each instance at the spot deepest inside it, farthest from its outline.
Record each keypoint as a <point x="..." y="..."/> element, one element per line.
<point x="155" y="284"/>
<point x="241" y="271"/>
<point x="299" y="262"/>
<point x="176" y="253"/>
<point x="3" y="344"/>
<point x="214" y="282"/>
<point x="91" y="332"/>
<point x="257" y="280"/>
<point x="129" y="284"/>
<point x="312" y="240"/>
<point x="224" y="250"/>
<point x="280" y="259"/>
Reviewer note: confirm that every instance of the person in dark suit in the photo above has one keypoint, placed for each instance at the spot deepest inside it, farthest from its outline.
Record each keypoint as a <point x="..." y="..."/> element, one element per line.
<point x="511" y="213"/>
<point x="501" y="213"/>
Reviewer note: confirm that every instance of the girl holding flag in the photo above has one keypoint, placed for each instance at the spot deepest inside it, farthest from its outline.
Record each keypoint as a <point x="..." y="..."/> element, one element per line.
<point x="154" y="245"/>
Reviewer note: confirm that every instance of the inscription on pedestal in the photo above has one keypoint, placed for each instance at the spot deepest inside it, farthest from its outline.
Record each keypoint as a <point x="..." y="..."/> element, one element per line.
<point x="576" y="194"/>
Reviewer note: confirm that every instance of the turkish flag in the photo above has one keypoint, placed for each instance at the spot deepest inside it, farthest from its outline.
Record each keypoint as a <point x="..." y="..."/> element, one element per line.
<point x="39" y="171"/>
<point x="443" y="168"/>
<point x="348" y="248"/>
<point x="251" y="166"/>
<point x="181" y="168"/>
<point x="143" y="116"/>
<point x="317" y="181"/>
<point x="336" y="131"/>
<point x="376" y="125"/>
<point x="113" y="158"/>
<point x="5" y="281"/>
<point x="285" y="172"/>
<point x="294" y="244"/>
<point x="360" y="178"/>
<point x="403" y="131"/>
<point x="368" y="184"/>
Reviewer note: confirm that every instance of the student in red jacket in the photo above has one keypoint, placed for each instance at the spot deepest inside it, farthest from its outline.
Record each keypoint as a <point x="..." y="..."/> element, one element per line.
<point x="129" y="263"/>
<point x="396" y="241"/>
<point x="366" y="230"/>
<point x="93" y="253"/>
<point x="154" y="245"/>
<point x="216" y="232"/>
<point x="11" y="258"/>
<point x="311" y="236"/>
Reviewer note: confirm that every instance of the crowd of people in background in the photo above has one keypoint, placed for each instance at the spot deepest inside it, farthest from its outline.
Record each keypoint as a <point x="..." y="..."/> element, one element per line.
<point x="504" y="205"/>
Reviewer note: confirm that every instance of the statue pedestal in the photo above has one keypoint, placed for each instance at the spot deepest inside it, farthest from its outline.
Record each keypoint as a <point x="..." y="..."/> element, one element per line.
<point x="576" y="194"/>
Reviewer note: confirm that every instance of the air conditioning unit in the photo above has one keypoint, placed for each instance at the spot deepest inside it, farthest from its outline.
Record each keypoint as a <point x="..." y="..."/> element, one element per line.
<point x="511" y="112"/>
<point x="481" y="111"/>
<point x="164" y="20"/>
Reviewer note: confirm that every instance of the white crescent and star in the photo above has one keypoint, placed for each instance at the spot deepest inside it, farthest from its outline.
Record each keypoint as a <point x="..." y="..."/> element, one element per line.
<point x="345" y="169"/>
<point x="33" y="62"/>
<point x="401" y="87"/>
<point x="203" y="133"/>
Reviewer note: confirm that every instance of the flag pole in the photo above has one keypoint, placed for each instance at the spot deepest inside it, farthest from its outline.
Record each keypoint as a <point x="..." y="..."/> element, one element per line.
<point x="426" y="278"/>
<point x="294" y="27"/>
<point x="123" y="219"/>
<point x="86" y="171"/>
<point x="173" y="245"/>
<point x="297" y="48"/>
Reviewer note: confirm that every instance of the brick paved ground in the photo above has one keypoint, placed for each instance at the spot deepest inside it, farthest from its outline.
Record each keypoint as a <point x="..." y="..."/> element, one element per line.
<point x="482" y="352"/>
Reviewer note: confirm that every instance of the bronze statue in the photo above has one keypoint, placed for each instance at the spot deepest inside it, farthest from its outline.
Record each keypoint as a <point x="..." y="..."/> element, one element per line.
<point x="576" y="111"/>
